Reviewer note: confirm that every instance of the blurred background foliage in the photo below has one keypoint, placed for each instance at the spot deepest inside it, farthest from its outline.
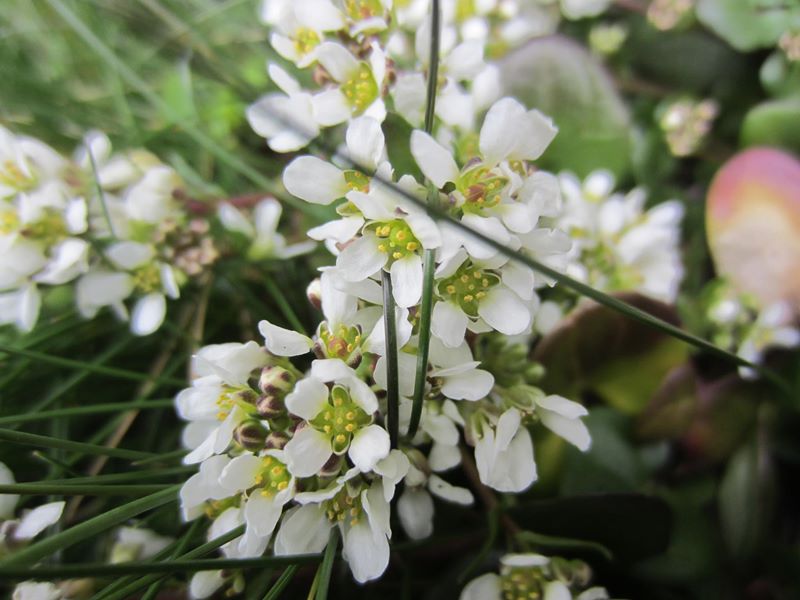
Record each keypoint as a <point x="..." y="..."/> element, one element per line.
<point x="691" y="487"/>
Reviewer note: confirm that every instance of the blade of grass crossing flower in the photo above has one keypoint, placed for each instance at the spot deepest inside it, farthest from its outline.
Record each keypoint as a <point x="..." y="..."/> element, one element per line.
<point x="127" y="476"/>
<point x="326" y="567"/>
<point x="78" y="411"/>
<point x="34" y="439"/>
<point x="99" y="369"/>
<point x="63" y="489"/>
<point x="430" y="255"/>
<point x="284" y="580"/>
<point x="283" y="304"/>
<point x="180" y="547"/>
<point x="392" y="376"/>
<point x="100" y="192"/>
<point x="131" y="78"/>
<point x="39" y="550"/>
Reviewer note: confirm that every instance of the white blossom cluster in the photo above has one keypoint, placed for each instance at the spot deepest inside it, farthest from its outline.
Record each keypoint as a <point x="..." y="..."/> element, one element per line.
<point x="100" y="227"/>
<point x="113" y="228"/>
<point x="524" y="576"/>
<point x="618" y="244"/>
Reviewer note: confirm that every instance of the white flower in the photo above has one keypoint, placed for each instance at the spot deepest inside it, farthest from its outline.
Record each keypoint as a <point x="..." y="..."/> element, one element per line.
<point x="460" y="378"/>
<point x="266" y="242"/>
<point x="338" y="420"/>
<point x="21" y="307"/>
<point x="773" y="328"/>
<point x="137" y="543"/>
<point x="504" y="454"/>
<point x="35" y="521"/>
<point x="34" y="590"/>
<point x="299" y="27"/>
<point x="203" y="486"/>
<point x="563" y="417"/>
<point x="579" y="9"/>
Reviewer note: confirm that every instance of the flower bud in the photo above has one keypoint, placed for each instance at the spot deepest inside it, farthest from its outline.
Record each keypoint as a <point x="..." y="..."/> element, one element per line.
<point x="332" y="467"/>
<point x="314" y="293"/>
<point x="250" y="435"/>
<point x="276" y="440"/>
<point x="247" y="396"/>
<point x="270" y="406"/>
<point x="274" y="380"/>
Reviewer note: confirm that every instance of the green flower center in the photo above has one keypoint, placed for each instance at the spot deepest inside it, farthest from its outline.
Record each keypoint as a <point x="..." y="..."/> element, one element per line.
<point x="519" y="583"/>
<point x="360" y="89"/>
<point x="50" y="229"/>
<point x="341" y="419"/>
<point x="12" y="176"/>
<point x="356" y="180"/>
<point x="363" y="9"/>
<point x="305" y="40"/>
<point x="467" y="287"/>
<point x="274" y="477"/>
<point x="341" y="342"/>
<point x="147" y="279"/>
<point x="396" y="239"/>
<point x="481" y="189"/>
<point x="9" y="221"/>
<point x="343" y="506"/>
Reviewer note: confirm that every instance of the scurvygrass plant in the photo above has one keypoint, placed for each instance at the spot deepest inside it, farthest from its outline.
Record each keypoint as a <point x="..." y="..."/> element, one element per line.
<point x="393" y="417"/>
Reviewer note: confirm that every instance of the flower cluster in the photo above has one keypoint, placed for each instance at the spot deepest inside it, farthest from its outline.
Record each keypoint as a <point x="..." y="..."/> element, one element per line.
<point x="525" y="576"/>
<point x="114" y="228"/>
<point x="618" y="245"/>
<point x="741" y="324"/>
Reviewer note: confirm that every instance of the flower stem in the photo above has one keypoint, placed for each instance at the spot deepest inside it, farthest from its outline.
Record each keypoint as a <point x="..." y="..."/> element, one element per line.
<point x="392" y="381"/>
<point x="430" y="255"/>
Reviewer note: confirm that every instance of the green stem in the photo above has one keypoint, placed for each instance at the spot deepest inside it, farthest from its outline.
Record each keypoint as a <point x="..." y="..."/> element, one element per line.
<point x="87" y="410"/>
<point x="392" y="376"/>
<point x="426" y="305"/>
<point x="39" y="550"/>
<point x="281" y="583"/>
<point x="326" y="567"/>
<point x="33" y="439"/>
<point x="62" y="489"/>
<point x="99" y="369"/>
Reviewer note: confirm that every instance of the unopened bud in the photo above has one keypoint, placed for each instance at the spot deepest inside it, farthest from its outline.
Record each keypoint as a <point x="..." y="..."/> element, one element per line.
<point x="332" y="467"/>
<point x="314" y="293"/>
<point x="276" y="440"/>
<point x="270" y="407"/>
<point x="250" y="435"/>
<point x="274" y="380"/>
<point x="248" y="396"/>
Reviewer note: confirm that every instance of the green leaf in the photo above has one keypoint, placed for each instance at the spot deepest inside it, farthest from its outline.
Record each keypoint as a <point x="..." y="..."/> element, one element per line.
<point x="780" y="76"/>
<point x="749" y="24"/>
<point x="324" y="573"/>
<point x="746" y="500"/>
<point x="631" y="526"/>
<point x="560" y="78"/>
<point x="773" y="123"/>
<point x="61" y="489"/>
<point x="89" y="528"/>
<point x="93" y="409"/>
<point x="596" y="349"/>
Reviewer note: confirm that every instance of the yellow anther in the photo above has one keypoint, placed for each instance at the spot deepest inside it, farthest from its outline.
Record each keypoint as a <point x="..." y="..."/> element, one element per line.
<point x="480" y="295"/>
<point x="397" y="255"/>
<point x="401" y="235"/>
<point x="350" y="427"/>
<point x="464" y="278"/>
<point x="340" y="439"/>
<point x="267" y="461"/>
<point x="349" y="347"/>
<point x="348" y="500"/>
<point x="277" y="470"/>
<point x="221" y="416"/>
<point x="477" y="274"/>
<point x="353" y="522"/>
<point x="328" y="415"/>
<point x="382" y="247"/>
<point x="357" y="339"/>
<point x="471" y="287"/>
<point x="339" y="421"/>
<point x="338" y="402"/>
<point x="327" y="428"/>
<point x="353" y="512"/>
<point x="411" y="246"/>
<point x="451" y="289"/>
<point x="283" y="485"/>
<point x="485" y="282"/>
<point x="469" y="298"/>
<point x="350" y="415"/>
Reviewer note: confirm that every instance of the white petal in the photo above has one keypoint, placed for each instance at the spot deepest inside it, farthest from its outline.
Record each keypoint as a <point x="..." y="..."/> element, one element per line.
<point x="37" y="520"/>
<point x="360" y="259"/>
<point x="536" y="131"/>
<point x="443" y="457"/>
<point x="331" y="369"/>
<point x="562" y="406"/>
<point x="7" y="501"/>
<point x="307" y="452"/>
<point x="337" y="60"/>
<point x="446" y="491"/>
<point x="407" y="280"/>
<point x="449" y="323"/>
<point x="205" y="583"/>
<point x="471" y="385"/>
<point x="504" y="311"/>
<point x="556" y="590"/>
<point x="435" y="162"/>
<point x="148" y="313"/>
<point x="365" y="141"/>
<point x="308" y="398"/>
<point x="520" y="279"/>
<point x="366" y="552"/>
<point x="369" y="445"/>
<point x="485" y="587"/>
<point x="233" y="220"/>
<point x="500" y="130"/>
<point x="129" y="255"/>
<point x="490" y="227"/>
<point x="314" y="180"/>
<point x="262" y="513"/>
<point x="303" y="529"/>
<point x="572" y="430"/>
<point x="240" y="474"/>
<point x="284" y="342"/>
<point x="415" y="509"/>
<point x="330" y="107"/>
